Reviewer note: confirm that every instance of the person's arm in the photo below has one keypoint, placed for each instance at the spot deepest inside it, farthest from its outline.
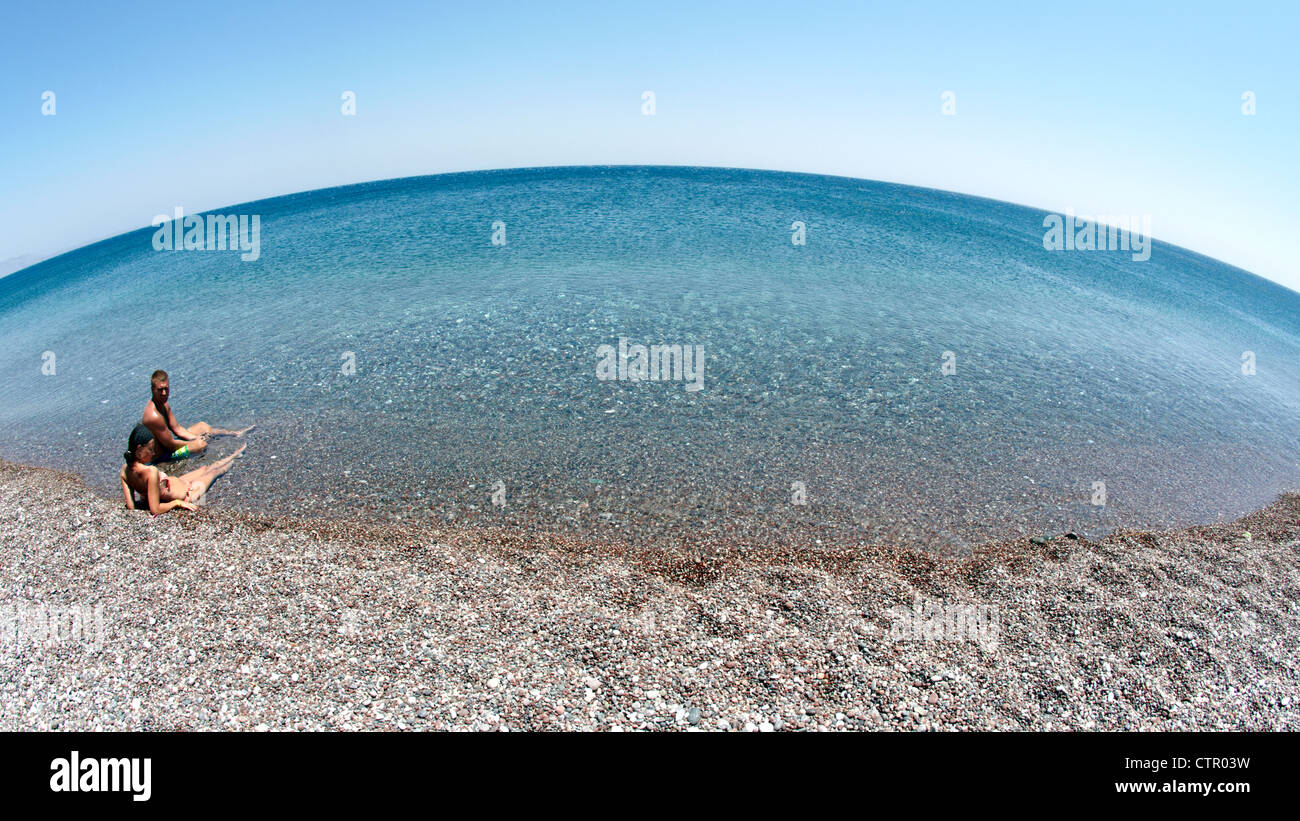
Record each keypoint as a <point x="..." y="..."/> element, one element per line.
<point x="158" y="507"/>
<point x="167" y="443"/>
<point x="126" y="491"/>
<point x="181" y="433"/>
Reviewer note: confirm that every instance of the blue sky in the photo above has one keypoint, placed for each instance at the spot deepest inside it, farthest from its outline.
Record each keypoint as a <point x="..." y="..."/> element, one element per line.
<point x="1130" y="108"/>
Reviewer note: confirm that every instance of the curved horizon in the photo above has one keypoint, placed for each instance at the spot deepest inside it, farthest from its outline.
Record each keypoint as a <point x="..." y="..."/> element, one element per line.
<point x="654" y="367"/>
<point x="1193" y="126"/>
<point x="839" y="334"/>
<point x="309" y="191"/>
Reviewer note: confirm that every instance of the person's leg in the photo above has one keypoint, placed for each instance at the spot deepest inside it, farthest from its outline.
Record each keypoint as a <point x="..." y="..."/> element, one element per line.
<point x="204" y="428"/>
<point x="200" y="480"/>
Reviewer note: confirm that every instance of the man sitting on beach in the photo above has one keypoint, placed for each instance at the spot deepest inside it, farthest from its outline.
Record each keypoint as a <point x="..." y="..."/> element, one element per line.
<point x="174" y="441"/>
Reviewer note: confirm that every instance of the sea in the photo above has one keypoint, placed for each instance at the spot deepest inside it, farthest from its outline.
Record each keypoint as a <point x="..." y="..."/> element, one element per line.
<point x="675" y="357"/>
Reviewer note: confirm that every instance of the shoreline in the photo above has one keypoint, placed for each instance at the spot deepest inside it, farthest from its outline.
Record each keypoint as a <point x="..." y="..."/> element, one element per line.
<point x="226" y="619"/>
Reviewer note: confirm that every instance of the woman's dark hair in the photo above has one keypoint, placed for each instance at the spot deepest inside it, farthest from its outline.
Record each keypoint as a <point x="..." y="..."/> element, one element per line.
<point x="140" y="435"/>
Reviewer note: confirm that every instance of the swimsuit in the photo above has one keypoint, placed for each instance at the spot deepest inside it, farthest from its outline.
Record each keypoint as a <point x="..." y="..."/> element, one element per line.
<point x="164" y="486"/>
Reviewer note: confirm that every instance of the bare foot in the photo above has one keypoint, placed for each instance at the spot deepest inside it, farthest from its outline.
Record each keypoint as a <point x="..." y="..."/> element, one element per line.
<point x="239" y="452"/>
<point x="245" y="430"/>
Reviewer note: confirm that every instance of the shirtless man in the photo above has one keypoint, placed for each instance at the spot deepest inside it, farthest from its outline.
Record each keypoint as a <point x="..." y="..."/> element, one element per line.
<point x="174" y="441"/>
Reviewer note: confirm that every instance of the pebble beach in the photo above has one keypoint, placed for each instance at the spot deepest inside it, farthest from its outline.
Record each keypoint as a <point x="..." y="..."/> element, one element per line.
<point x="230" y="620"/>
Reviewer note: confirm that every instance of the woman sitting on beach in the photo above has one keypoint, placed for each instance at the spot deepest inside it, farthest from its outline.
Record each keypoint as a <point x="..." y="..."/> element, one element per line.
<point x="160" y="491"/>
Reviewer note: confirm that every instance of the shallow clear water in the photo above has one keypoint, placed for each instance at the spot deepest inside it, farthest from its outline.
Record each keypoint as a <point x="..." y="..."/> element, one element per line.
<point x="477" y="363"/>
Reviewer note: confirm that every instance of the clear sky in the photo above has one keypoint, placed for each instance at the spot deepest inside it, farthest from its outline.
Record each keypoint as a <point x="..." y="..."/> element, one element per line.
<point x="1117" y="108"/>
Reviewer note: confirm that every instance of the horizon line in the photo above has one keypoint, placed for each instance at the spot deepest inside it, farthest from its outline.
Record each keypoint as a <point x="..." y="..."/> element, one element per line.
<point x="307" y="191"/>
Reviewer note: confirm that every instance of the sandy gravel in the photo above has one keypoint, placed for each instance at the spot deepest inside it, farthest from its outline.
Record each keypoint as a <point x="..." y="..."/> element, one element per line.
<point x="225" y="620"/>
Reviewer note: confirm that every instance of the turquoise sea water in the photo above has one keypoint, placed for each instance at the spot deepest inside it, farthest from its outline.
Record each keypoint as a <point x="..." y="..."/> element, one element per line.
<point x="476" y="363"/>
